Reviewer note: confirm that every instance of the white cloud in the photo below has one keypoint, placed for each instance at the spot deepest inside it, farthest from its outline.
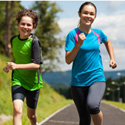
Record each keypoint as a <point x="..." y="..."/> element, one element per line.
<point x="113" y="26"/>
<point x="113" y="5"/>
<point x="120" y="60"/>
<point x="67" y="25"/>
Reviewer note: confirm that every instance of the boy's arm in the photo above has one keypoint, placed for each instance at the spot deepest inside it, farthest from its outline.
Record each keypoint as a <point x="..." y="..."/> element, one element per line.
<point x="29" y="66"/>
<point x="6" y="68"/>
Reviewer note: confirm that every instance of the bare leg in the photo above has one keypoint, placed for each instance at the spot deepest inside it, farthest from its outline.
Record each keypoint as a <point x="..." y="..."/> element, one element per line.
<point x="31" y="113"/>
<point x="97" y="118"/>
<point x="17" y="112"/>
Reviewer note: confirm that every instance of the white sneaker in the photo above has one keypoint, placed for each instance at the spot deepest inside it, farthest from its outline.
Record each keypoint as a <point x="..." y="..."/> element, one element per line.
<point x="37" y="123"/>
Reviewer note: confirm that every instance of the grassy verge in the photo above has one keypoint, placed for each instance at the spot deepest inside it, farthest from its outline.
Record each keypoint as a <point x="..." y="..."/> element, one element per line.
<point x="48" y="103"/>
<point x="117" y="104"/>
<point x="49" y="100"/>
<point x="5" y="86"/>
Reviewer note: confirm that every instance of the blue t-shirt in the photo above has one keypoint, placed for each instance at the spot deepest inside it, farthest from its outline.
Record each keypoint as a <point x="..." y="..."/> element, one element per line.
<point x="87" y="67"/>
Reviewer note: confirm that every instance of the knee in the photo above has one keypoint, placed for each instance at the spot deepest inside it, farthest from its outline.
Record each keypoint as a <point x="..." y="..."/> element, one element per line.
<point x="17" y="111"/>
<point x="31" y="116"/>
<point x="93" y="108"/>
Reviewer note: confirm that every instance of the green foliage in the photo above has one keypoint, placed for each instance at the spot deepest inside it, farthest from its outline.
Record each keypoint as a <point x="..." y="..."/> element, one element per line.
<point x="46" y="32"/>
<point x="115" y="89"/>
<point x="13" y="23"/>
<point x="2" y="18"/>
<point x="14" y="28"/>
<point x="62" y="89"/>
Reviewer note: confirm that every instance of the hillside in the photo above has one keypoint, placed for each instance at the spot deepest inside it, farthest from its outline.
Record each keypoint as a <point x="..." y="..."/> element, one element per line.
<point x="49" y="100"/>
<point x="65" y="77"/>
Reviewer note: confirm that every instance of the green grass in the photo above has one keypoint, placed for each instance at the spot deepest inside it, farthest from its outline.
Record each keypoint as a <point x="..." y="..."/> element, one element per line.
<point x="117" y="104"/>
<point x="5" y="86"/>
<point x="47" y="104"/>
<point x="49" y="100"/>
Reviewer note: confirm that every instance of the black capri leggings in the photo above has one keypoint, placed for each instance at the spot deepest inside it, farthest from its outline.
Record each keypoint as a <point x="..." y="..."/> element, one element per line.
<point x="87" y="100"/>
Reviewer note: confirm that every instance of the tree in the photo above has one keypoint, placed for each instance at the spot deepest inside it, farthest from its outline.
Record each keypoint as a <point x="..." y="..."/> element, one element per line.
<point x="47" y="31"/>
<point x="8" y="24"/>
<point x="11" y="8"/>
<point x="8" y="10"/>
<point x="2" y="20"/>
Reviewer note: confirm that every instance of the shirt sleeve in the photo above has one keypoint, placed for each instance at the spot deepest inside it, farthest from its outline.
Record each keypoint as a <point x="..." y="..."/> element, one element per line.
<point x="103" y="37"/>
<point x="12" y="40"/>
<point x="70" y="42"/>
<point x="36" y="51"/>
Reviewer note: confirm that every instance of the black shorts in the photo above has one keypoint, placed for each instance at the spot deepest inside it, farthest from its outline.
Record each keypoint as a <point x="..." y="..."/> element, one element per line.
<point x="18" y="92"/>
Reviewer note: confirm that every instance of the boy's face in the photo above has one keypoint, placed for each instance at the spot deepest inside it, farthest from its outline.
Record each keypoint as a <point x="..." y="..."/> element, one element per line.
<point x="25" y="27"/>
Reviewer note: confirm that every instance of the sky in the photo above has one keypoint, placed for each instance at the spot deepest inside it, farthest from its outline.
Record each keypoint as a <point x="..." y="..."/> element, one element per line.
<point x="110" y="19"/>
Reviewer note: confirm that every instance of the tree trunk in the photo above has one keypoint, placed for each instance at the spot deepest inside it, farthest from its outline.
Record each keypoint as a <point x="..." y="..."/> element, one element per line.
<point x="8" y="11"/>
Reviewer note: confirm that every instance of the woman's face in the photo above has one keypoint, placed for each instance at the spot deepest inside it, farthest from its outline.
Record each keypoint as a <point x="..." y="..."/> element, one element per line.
<point x="87" y="15"/>
<point x="25" y="26"/>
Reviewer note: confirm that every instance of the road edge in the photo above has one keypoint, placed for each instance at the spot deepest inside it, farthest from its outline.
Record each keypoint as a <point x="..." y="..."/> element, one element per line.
<point x="54" y="114"/>
<point x="114" y="106"/>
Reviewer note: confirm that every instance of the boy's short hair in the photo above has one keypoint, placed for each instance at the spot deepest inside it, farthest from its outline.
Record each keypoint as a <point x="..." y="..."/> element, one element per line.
<point x="29" y="13"/>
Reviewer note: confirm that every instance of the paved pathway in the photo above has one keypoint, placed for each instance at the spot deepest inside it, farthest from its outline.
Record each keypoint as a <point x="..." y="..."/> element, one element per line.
<point x="69" y="116"/>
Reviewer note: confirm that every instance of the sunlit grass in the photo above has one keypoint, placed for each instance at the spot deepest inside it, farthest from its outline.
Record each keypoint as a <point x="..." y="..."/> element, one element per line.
<point x="117" y="104"/>
<point x="44" y="109"/>
<point x="4" y="77"/>
<point x="5" y="88"/>
<point x="49" y="100"/>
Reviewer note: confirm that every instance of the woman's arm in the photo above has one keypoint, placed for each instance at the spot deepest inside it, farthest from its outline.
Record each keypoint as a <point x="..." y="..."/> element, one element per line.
<point x="70" y="55"/>
<point x="110" y="51"/>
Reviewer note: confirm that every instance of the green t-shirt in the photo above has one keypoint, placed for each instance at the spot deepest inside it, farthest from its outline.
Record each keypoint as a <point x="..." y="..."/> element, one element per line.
<point x="26" y="51"/>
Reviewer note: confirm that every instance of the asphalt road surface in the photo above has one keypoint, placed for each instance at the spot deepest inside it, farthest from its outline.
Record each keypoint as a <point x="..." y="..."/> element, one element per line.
<point x="69" y="116"/>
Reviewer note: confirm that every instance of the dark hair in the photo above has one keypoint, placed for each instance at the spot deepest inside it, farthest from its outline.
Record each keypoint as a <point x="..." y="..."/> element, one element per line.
<point x="87" y="3"/>
<point x="30" y="14"/>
